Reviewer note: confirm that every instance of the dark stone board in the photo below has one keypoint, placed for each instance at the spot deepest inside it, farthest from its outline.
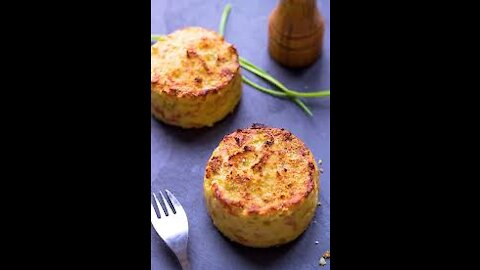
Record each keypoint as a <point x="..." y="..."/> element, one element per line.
<point x="178" y="157"/>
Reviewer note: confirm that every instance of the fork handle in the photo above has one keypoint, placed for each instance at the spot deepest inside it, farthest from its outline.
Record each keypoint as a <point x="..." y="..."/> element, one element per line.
<point x="185" y="264"/>
<point x="183" y="259"/>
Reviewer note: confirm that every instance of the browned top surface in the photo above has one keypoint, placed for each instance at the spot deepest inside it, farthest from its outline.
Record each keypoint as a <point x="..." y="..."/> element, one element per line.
<point x="192" y="62"/>
<point x="260" y="170"/>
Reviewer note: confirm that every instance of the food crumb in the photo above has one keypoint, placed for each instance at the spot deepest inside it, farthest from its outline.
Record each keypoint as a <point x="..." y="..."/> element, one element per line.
<point x="321" y="170"/>
<point x="319" y="204"/>
<point x="316" y="242"/>
<point x="326" y="255"/>
<point x="315" y="222"/>
<point x="322" y="261"/>
<point x="320" y="161"/>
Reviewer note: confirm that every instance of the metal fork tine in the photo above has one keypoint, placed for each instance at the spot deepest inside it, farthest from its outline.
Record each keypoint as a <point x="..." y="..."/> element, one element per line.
<point x="159" y="206"/>
<point x="153" y="213"/>
<point x="167" y="206"/>
<point x="176" y="204"/>
<point x="172" y="228"/>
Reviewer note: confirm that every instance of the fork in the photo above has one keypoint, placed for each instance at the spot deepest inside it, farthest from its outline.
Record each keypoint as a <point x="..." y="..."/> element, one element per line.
<point x="172" y="226"/>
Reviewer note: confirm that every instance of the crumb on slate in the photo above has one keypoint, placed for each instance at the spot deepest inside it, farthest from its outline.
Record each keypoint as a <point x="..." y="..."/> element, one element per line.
<point x="322" y="261"/>
<point x="326" y="255"/>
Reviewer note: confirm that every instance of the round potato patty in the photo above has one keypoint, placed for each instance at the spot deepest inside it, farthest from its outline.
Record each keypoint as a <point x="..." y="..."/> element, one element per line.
<point x="261" y="186"/>
<point x="195" y="78"/>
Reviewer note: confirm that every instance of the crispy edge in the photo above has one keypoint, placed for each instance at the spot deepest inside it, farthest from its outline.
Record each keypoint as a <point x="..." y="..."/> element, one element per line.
<point x="236" y="206"/>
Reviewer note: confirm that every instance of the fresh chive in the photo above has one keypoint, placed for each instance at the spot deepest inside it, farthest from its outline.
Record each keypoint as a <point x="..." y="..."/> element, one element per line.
<point x="278" y="94"/>
<point x="294" y="99"/>
<point x="263" y="89"/>
<point x="223" y="22"/>
<point x="262" y="73"/>
<point x="302" y="105"/>
<point x="156" y="37"/>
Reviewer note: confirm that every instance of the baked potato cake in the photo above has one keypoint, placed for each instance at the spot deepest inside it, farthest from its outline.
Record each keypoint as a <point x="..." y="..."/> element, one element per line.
<point x="195" y="78"/>
<point x="261" y="186"/>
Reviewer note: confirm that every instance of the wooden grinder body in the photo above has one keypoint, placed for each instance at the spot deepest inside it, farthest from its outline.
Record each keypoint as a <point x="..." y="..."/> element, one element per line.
<point x="296" y="30"/>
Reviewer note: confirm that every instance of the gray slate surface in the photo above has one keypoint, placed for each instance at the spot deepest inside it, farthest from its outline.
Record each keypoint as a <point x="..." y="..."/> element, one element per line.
<point x="178" y="157"/>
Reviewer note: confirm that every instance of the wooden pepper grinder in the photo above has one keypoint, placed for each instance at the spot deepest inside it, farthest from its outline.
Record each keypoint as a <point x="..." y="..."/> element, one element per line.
<point x="295" y="30"/>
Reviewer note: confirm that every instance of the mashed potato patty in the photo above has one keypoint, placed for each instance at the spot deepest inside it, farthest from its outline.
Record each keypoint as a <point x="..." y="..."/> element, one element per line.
<point x="261" y="186"/>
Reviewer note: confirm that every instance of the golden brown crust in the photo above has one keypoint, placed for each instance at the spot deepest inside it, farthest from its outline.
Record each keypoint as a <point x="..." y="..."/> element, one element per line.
<point x="261" y="186"/>
<point x="261" y="170"/>
<point x="192" y="62"/>
<point x="195" y="78"/>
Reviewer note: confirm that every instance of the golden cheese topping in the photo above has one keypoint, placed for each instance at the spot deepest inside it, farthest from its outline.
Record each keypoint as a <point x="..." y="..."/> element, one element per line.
<point x="192" y="62"/>
<point x="261" y="170"/>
